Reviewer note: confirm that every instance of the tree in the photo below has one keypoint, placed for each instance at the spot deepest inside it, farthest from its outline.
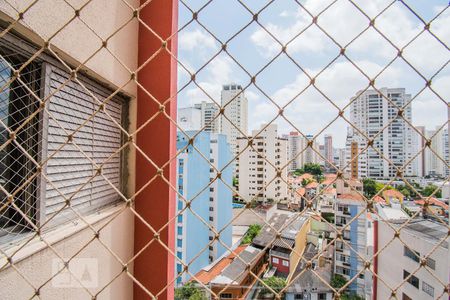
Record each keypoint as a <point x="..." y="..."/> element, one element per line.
<point x="338" y="281"/>
<point x="275" y="283"/>
<point x="313" y="169"/>
<point x="369" y="187"/>
<point x="352" y="296"/>
<point x="189" y="292"/>
<point x="405" y="191"/>
<point x="429" y="190"/>
<point x="305" y="181"/>
<point x="251" y="233"/>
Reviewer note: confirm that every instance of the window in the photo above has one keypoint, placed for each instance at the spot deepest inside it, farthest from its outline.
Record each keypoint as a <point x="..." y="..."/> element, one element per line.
<point x="431" y="263"/>
<point x="226" y="296"/>
<point x="406" y="297"/>
<point x="72" y="106"/>
<point x="322" y="296"/>
<point x="298" y="297"/>
<point x="211" y="208"/>
<point x="286" y="263"/>
<point x="275" y="260"/>
<point x="413" y="280"/>
<point x="16" y="105"/>
<point x="414" y="255"/>
<point x="179" y="243"/>
<point x="427" y="288"/>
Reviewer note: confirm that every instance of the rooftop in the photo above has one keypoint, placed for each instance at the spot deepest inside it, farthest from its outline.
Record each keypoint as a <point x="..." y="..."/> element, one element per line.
<point x="432" y="201"/>
<point x="305" y="280"/>
<point x="432" y="231"/>
<point x="235" y="271"/>
<point x="389" y="213"/>
<point x="213" y="270"/>
<point x="277" y="222"/>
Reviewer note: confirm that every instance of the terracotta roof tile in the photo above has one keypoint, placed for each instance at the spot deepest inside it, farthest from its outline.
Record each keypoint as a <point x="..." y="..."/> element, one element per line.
<point x="205" y="276"/>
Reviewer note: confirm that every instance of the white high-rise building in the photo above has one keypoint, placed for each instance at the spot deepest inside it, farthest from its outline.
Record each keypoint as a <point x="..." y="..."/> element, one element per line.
<point x="436" y="158"/>
<point x="328" y="151"/>
<point x="257" y="170"/>
<point x="189" y="118"/>
<point x="298" y="151"/>
<point x="234" y="122"/>
<point x="371" y="113"/>
<point x="209" y="119"/>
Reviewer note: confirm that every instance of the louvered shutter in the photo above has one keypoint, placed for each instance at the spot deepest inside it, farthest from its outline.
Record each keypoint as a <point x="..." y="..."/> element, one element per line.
<point x="70" y="168"/>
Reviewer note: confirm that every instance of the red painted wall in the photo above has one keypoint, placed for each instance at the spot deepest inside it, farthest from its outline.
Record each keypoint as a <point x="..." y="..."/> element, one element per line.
<point x="156" y="140"/>
<point x="279" y="265"/>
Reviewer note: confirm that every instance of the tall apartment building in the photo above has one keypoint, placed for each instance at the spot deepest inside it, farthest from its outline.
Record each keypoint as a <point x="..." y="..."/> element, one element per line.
<point x="436" y="158"/>
<point x="371" y="112"/>
<point x="328" y="151"/>
<point x="295" y="144"/>
<point x="420" y="141"/>
<point x="234" y="122"/>
<point x="339" y="158"/>
<point x="418" y="238"/>
<point x="349" y="255"/>
<point x="194" y="173"/>
<point x="189" y="118"/>
<point x="298" y="152"/>
<point x="209" y="119"/>
<point x="255" y="173"/>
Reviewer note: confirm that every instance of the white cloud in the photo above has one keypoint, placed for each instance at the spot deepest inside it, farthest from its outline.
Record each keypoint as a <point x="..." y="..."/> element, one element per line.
<point x="343" y="22"/>
<point x="211" y="79"/>
<point x="194" y="40"/>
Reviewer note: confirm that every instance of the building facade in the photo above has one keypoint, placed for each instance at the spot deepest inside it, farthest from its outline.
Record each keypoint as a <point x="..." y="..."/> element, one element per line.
<point x="234" y="121"/>
<point x="328" y="151"/>
<point x="194" y="173"/>
<point x="351" y="250"/>
<point x="436" y="155"/>
<point x="419" y="238"/>
<point x="210" y="120"/>
<point x="371" y="112"/>
<point x="257" y="166"/>
<point x="189" y="118"/>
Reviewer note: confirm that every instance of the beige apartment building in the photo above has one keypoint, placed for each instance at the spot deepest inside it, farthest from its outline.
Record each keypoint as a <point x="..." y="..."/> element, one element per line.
<point x="259" y="165"/>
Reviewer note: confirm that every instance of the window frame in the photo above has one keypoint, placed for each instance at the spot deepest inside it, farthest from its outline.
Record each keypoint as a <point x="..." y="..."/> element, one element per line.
<point x="43" y="64"/>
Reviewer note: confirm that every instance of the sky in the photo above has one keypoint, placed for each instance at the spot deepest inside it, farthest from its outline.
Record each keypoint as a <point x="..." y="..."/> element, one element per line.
<point x="281" y="77"/>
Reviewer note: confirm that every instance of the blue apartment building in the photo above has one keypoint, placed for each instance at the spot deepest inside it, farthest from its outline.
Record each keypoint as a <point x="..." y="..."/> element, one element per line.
<point x="213" y="204"/>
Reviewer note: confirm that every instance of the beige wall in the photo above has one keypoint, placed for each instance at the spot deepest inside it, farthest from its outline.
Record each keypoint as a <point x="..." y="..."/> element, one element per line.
<point x="77" y="41"/>
<point x="75" y="44"/>
<point x="393" y="255"/>
<point x="300" y="244"/>
<point x="35" y="260"/>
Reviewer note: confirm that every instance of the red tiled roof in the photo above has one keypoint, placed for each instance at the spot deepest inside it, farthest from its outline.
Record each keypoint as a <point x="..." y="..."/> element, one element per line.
<point x="379" y="199"/>
<point x="206" y="276"/>
<point x="305" y="176"/>
<point x="329" y="190"/>
<point x="312" y="185"/>
<point x="355" y="197"/>
<point x="300" y="192"/>
<point x="393" y="193"/>
<point x="432" y="201"/>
